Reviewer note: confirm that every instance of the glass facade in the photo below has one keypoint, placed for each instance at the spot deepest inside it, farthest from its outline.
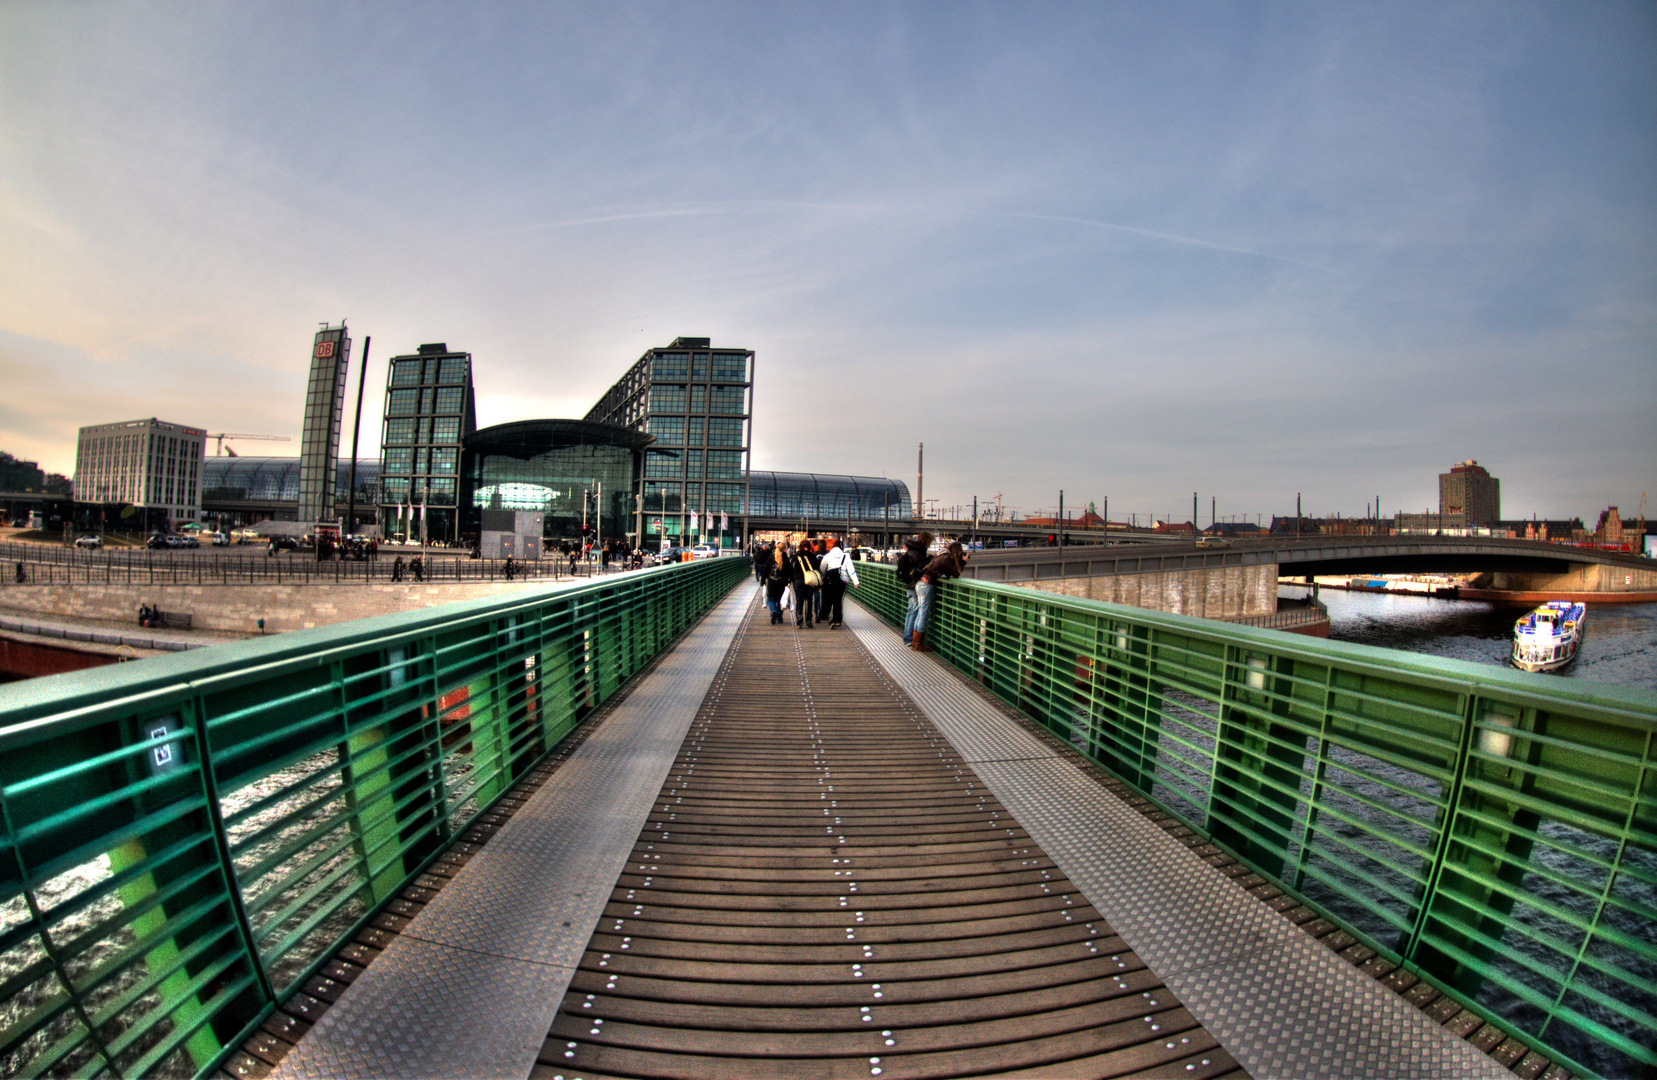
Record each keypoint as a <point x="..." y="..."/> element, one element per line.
<point x="319" y="437"/>
<point x="429" y="414"/>
<point x="827" y="497"/>
<point x="276" y="480"/>
<point x="693" y="399"/>
<point x="573" y="472"/>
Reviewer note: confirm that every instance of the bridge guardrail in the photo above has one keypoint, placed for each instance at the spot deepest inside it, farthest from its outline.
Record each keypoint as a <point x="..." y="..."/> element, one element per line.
<point x="1493" y="830"/>
<point x="40" y="564"/>
<point x="187" y="839"/>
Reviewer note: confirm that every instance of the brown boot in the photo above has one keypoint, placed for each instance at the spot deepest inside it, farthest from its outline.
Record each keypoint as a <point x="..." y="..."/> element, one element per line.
<point x="920" y="642"/>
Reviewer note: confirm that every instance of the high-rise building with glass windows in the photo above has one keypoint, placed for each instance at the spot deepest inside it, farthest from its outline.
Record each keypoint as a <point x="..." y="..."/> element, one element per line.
<point x="319" y="437"/>
<point x="429" y="413"/>
<point x="696" y="401"/>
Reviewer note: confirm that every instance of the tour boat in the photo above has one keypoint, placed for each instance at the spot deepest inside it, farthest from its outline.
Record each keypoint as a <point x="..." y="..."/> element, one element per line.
<point x="1548" y="638"/>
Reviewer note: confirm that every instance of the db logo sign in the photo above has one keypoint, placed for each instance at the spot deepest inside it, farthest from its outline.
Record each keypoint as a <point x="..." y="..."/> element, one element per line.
<point x="324" y="349"/>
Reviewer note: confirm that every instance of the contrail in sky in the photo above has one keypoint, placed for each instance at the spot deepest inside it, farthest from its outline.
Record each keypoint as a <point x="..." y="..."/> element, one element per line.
<point x="1171" y="238"/>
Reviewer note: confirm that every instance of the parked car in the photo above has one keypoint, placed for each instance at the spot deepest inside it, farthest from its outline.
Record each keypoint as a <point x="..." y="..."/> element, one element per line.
<point x="670" y="555"/>
<point x="285" y="543"/>
<point x="185" y="541"/>
<point x="89" y="541"/>
<point x="217" y="539"/>
<point x="158" y="540"/>
<point x="703" y="551"/>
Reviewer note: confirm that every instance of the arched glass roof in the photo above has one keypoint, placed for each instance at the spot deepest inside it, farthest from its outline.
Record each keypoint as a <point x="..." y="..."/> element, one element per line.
<point x="826" y="495"/>
<point x="276" y="479"/>
<point x="530" y="438"/>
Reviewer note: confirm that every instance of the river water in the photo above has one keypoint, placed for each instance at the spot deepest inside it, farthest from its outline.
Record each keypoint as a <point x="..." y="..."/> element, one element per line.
<point x="1620" y="646"/>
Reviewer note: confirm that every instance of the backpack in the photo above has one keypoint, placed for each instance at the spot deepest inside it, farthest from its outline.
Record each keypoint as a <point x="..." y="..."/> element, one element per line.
<point x="909" y="567"/>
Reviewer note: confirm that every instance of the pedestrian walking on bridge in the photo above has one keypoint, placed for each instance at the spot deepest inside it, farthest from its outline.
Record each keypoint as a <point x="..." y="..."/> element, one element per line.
<point x="806" y="579"/>
<point x="838" y="572"/>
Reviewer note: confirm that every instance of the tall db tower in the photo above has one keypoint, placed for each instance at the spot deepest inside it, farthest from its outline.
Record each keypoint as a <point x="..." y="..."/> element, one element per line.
<point x="319" y="439"/>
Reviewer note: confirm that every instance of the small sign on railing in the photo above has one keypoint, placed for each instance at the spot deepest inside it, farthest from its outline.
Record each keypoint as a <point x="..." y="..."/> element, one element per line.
<point x="165" y="756"/>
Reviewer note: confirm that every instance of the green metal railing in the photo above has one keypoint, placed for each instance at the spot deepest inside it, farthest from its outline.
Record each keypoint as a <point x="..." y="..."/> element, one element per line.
<point x="187" y="839"/>
<point x="1493" y="830"/>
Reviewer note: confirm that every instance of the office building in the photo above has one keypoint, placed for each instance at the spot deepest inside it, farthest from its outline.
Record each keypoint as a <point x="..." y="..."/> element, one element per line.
<point x="319" y="437"/>
<point x="429" y="414"/>
<point x="696" y="401"/>
<point x="1469" y="497"/>
<point x="147" y="464"/>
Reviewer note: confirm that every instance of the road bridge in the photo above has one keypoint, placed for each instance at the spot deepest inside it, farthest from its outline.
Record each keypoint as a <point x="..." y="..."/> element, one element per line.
<point x="1239" y="578"/>
<point x="631" y="828"/>
<point x="1308" y="556"/>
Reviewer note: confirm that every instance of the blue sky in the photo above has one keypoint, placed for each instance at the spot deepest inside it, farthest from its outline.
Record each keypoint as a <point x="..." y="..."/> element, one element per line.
<point x="1124" y="250"/>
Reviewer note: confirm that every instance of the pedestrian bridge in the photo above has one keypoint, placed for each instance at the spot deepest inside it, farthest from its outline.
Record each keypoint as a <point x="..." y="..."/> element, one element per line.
<point x="628" y="828"/>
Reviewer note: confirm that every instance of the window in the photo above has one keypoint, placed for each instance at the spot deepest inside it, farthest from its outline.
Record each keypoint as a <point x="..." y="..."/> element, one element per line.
<point x="724" y="465"/>
<point x="697" y="425"/>
<point x="670" y="367"/>
<point x="420" y="460"/>
<point x="446" y="429"/>
<point x="722" y="432"/>
<point x="399" y="431"/>
<point x="445" y="461"/>
<point x="699" y="367"/>
<point x="725" y="498"/>
<point x="698" y="399"/>
<point x="442" y="490"/>
<point x="405" y="373"/>
<point x="730" y="367"/>
<point x="397" y="459"/>
<point x="423" y="433"/>
<point x="693" y="464"/>
<point x="453" y="370"/>
<point x="402" y="403"/>
<point x="663" y="497"/>
<point x="668" y="429"/>
<point x="663" y="463"/>
<point x="394" y="489"/>
<point x="727" y="400"/>
<point x="670" y="399"/>
<point x="449" y="399"/>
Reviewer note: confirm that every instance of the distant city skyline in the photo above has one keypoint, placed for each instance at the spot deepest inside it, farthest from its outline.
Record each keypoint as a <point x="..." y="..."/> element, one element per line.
<point x="1126" y="251"/>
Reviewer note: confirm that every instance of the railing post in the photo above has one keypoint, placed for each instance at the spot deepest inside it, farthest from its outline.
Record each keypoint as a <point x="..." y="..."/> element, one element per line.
<point x="1469" y="892"/>
<point x="1258" y="763"/>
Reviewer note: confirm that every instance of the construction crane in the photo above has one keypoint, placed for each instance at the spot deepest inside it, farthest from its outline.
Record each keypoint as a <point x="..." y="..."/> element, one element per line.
<point x="223" y="435"/>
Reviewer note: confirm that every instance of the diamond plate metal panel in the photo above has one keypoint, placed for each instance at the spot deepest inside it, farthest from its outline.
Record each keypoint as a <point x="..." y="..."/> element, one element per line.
<point x="472" y="984"/>
<point x="1278" y="1001"/>
<point x="427" y="1010"/>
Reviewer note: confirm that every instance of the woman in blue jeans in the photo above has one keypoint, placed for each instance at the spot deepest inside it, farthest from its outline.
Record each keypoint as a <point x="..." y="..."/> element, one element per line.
<point x="947" y="565"/>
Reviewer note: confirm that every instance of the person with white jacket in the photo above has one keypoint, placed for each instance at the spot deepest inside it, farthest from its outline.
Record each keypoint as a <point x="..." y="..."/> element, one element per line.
<point x="838" y="571"/>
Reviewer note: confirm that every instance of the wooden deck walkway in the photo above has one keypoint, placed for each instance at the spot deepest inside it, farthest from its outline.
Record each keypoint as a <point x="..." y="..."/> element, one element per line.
<point x="825" y="888"/>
